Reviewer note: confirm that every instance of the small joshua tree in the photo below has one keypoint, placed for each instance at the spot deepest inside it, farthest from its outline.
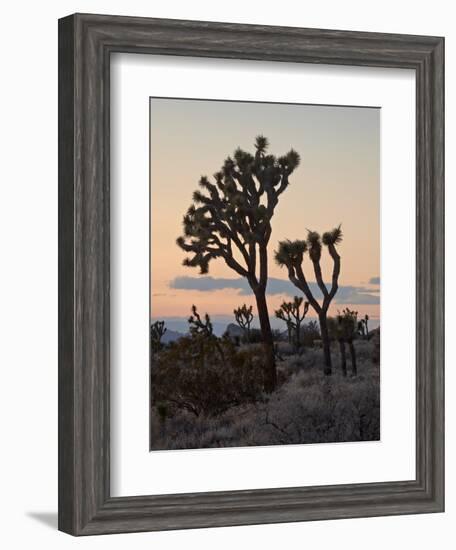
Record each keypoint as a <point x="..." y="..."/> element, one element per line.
<point x="347" y="321"/>
<point x="284" y="313"/>
<point x="244" y="318"/>
<point x="290" y="312"/>
<point x="291" y="255"/>
<point x="336" y="333"/>
<point x="198" y="326"/>
<point x="157" y="331"/>
<point x="203" y="329"/>
<point x="230" y="219"/>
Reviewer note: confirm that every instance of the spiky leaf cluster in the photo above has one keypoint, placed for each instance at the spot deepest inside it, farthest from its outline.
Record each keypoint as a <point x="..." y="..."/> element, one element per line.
<point x="235" y="210"/>
<point x="314" y="245"/>
<point x="291" y="253"/>
<point x="333" y="237"/>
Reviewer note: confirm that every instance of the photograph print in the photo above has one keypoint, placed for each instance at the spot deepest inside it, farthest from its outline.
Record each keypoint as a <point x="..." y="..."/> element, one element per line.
<point x="264" y="274"/>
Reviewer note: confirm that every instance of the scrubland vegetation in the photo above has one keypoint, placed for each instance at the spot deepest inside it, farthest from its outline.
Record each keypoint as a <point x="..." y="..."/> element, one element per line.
<point x="209" y="392"/>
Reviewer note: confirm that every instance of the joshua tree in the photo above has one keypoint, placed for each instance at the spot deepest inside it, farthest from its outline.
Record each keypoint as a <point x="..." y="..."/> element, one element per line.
<point x="157" y="331"/>
<point x="231" y="219"/>
<point x="291" y="255"/>
<point x="204" y="329"/>
<point x="347" y="321"/>
<point x="336" y="332"/>
<point x="290" y="312"/>
<point x="244" y="318"/>
<point x="284" y="313"/>
<point x="363" y="327"/>
<point x="198" y="326"/>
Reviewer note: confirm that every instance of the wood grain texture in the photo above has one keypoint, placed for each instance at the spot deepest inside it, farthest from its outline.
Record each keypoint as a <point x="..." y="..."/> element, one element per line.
<point x="85" y="45"/>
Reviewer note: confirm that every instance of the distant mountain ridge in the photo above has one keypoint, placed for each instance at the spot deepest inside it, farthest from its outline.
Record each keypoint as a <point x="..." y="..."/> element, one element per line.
<point x="177" y="327"/>
<point x="172" y="336"/>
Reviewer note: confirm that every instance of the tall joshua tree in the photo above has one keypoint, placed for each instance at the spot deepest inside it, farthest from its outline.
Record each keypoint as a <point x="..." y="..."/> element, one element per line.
<point x="291" y="255"/>
<point x="244" y="318"/>
<point x="231" y="219"/>
<point x="290" y="312"/>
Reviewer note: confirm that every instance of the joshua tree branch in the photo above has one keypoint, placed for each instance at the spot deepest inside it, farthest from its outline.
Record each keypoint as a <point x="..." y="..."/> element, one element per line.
<point x="283" y="184"/>
<point x="319" y="278"/>
<point x="231" y="231"/>
<point x="252" y="254"/>
<point x="303" y="285"/>
<point x="336" y="271"/>
<point x="231" y="262"/>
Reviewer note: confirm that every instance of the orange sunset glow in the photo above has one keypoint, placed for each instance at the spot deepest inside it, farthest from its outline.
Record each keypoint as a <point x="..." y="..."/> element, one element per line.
<point x="337" y="182"/>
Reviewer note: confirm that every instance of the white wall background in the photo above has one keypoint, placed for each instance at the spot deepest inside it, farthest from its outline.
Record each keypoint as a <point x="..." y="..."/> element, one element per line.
<point x="28" y="273"/>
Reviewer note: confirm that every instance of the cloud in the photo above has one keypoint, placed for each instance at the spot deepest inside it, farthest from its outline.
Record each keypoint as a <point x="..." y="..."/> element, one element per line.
<point x="374" y="281"/>
<point x="345" y="294"/>
<point x="208" y="283"/>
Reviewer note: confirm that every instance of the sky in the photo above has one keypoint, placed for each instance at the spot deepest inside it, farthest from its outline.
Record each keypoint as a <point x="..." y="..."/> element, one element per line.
<point x="337" y="182"/>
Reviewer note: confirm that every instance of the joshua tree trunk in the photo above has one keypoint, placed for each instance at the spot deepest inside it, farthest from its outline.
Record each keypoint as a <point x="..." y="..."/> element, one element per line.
<point x="268" y="342"/>
<point x="325" y="341"/>
<point x="343" y="357"/>
<point x="298" y="339"/>
<point x="353" y="358"/>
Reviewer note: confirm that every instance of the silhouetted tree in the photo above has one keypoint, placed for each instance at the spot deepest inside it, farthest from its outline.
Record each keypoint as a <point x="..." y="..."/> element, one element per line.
<point x="204" y="329"/>
<point x="344" y="329"/>
<point x="198" y="326"/>
<point x="336" y="335"/>
<point x="231" y="219"/>
<point x="157" y="331"/>
<point x="348" y="327"/>
<point x="244" y="318"/>
<point x="291" y="255"/>
<point x="290" y="312"/>
<point x="284" y="314"/>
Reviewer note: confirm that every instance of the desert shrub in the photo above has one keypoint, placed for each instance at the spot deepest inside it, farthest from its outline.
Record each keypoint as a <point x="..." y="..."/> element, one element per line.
<point x="375" y="351"/>
<point x="307" y="408"/>
<point x="255" y="336"/>
<point x="363" y="350"/>
<point x="284" y="349"/>
<point x="311" y="410"/>
<point x="295" y="363"/>
<point x="310" y="332"/>
<point x="206" y="375"/>
<point x="278" y="335"/>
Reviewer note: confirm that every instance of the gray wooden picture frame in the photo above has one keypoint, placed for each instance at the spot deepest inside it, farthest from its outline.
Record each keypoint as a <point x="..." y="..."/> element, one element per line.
<point x="85" y="45"/>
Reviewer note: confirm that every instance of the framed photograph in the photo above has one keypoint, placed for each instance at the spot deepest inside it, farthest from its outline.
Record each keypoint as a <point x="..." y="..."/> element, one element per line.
<point x="251" y="274"/>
